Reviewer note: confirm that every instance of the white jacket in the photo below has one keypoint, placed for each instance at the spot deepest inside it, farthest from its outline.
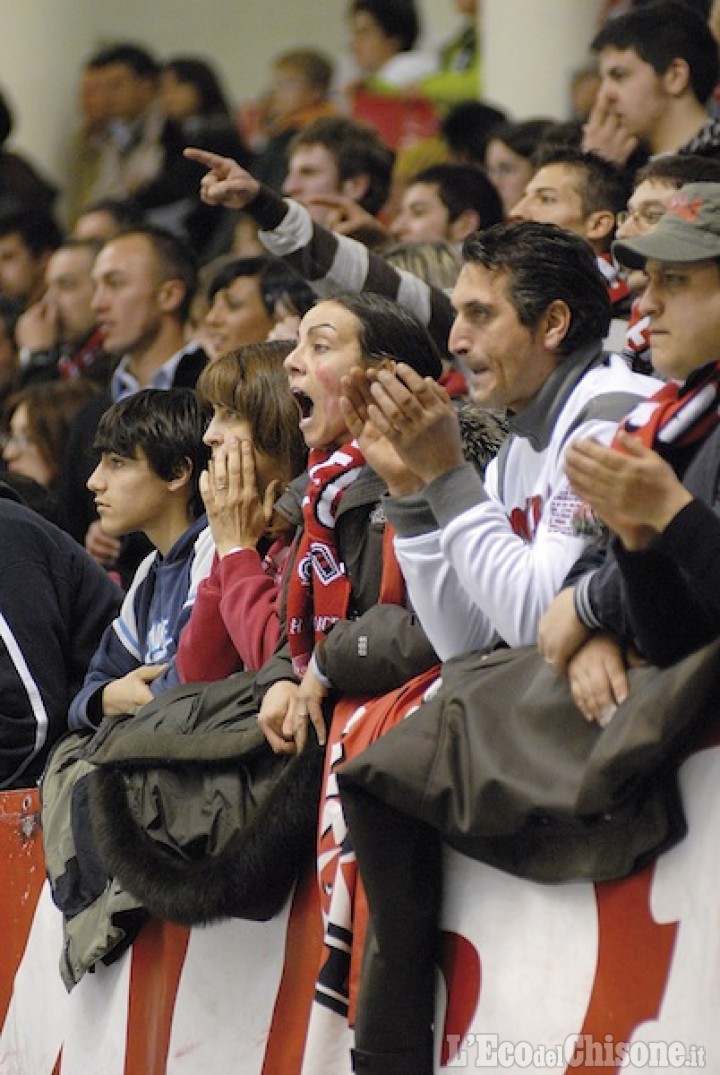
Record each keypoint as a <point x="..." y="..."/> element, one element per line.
<point x="483" y="561"/>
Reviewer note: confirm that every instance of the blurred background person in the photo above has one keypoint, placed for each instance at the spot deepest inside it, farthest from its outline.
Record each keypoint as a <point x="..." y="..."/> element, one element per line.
<point x="383" y="36"/>
<point x="37" y="422"/>
<point x="59" y="336"/>
<point x="242" y="301"/>
<point x="106" y="218"/>
<point x="22" y="186"/>
<point x="299" y="94"/>
<point x="508" y="157"/>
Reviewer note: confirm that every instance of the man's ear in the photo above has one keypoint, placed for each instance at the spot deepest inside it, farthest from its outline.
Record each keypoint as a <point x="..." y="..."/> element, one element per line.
<point x="555" y="324"/>
<point x="171" y="295"/>
<point x="463" y="225"/>
<point x="183" y="474"/>
<point x="599" y="225"/>
<point x="356" y="187"/>
<point x="676" y="77"/>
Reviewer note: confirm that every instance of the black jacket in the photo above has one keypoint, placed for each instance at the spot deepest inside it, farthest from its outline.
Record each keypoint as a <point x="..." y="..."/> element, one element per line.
<point x="55" y="603"/>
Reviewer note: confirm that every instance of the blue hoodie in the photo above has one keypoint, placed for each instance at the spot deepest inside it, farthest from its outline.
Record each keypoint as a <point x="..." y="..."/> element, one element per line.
<point x="154" y="612"/>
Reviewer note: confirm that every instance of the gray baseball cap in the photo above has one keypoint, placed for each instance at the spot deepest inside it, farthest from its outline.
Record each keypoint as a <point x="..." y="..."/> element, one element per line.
<point x="689" y="231"/>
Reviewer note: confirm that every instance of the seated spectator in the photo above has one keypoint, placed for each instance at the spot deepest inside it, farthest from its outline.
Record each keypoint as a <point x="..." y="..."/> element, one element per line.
<point x="38" y="420"/>
<point x="86" y="143"/>
<point x="659" y="67"/>
<point x="314" y="661"/>
<point x="147" y="480"/>
<point x="21" y="184"/>
<point x="257" y="449"/>
<point x="583" y="193"/>
<point x="197" y="113"/>
<point x="27" y="239"/>
<point x="242" y="300"/>
<point x="656" y="184"/>
<point x="448" y="201"/>
<point x="466" y="130"/>
<point x="509" y="157"/>
<point x="656" y="485"/>
<point x="56" y="603"/>
<point x="58" y="336"/>
<point x="191" y="95"/>
<point x="131" y="154"/>
<point x="383" y="35"/>
<point x="338" y="156"/>
<point x="298" y="95"/>
<point x="104" y="219"/>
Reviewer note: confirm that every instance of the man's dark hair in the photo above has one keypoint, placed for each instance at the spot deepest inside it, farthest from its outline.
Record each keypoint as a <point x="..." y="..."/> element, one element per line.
<point x="524" y="137"/>
<point x="39" y="231"/>
<point x="276" y="280"/>
<point x="468" y="127"/>
<point x="661" y="32"/>
<point x="125" y="211"/>
<point x="601" y="184"/>
<point x="357" y="149"/>
<point x="168" y="425"/>
<point x="544" y="263"/>
<point x="461" y="187"/>
<point x="397" y="18"/>
<point x="677" y="169"/>
<point x="92" y="246"/>
<point x="138" y="59"/>
<point x="175" y="260"/>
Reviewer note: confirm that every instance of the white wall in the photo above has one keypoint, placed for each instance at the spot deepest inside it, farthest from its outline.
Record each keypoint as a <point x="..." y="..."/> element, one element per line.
<point x="531" y="49"/>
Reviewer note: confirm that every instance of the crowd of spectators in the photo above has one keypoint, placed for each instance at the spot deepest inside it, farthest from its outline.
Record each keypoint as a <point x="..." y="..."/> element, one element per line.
<point x="319" y="405"/>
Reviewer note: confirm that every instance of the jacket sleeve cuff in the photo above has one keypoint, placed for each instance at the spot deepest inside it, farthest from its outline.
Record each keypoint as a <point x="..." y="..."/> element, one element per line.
<point x="409" y="515"/>
<point x="583" y="604"/>
<point x="267" y="209"/>
<point x="319" y="674"/>
<point x="455" y="492"/>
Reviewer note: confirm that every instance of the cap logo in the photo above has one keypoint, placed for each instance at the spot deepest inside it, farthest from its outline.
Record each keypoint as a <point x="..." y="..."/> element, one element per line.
<point x="686" y="210"/>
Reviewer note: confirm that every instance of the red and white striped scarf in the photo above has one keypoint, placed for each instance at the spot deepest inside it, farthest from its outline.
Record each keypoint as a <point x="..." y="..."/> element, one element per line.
<point x="679" y="414"/>
<point x="319" y="589"/>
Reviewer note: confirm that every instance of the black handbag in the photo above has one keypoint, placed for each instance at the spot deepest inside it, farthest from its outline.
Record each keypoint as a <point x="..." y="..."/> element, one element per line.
<point x="502" y="764"/>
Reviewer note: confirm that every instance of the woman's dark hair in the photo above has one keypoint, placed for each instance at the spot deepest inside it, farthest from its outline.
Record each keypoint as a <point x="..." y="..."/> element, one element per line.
<point x="199" y="73"/>
<point x="276" y="280"/>
<point x="388" y="330"/>
<point x="168" y="425"/>
<point x="569" y="273"/>
<point x="252" y="381"/>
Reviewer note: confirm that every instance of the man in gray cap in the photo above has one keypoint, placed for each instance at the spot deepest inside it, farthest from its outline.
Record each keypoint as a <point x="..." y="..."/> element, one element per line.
<point x="658" y="492"/>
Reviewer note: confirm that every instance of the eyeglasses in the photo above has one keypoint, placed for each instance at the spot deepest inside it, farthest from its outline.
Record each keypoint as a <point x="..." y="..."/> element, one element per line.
<point x="21" y="441"/>
<point x="644" y="219"/>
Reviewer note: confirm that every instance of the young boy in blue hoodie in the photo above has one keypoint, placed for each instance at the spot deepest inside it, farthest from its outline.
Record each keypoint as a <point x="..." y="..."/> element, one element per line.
<point x="151" y="457"/>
